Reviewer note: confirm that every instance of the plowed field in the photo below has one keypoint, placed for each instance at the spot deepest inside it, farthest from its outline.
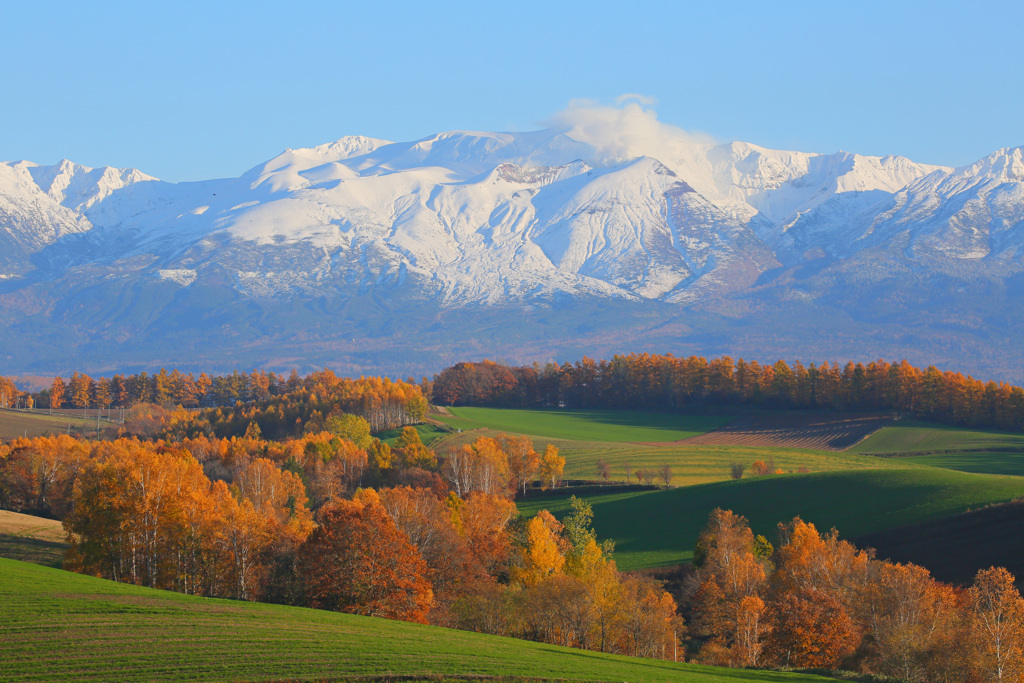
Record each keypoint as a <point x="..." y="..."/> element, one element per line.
<point x="821" y="432"/>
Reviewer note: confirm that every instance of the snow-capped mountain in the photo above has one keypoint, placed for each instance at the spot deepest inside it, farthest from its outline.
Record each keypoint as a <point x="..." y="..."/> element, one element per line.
<point x="545" y="220"/>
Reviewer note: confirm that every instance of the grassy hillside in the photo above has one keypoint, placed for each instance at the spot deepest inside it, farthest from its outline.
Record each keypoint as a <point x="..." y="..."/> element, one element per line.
<point x="955" y="548"/>
<point x="31" y="539"/>
<point x="914" y="436"/>
<point x="587" y="425"/>
<point x="658" y="528"/>
<point x="982" y="463"/>
<point x="56" y="625"/>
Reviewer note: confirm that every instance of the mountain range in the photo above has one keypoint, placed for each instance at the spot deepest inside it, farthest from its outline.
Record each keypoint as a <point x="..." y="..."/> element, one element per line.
<point x="402" y="257"/>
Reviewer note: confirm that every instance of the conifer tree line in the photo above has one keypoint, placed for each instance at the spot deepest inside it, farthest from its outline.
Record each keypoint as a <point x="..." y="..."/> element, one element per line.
<point x="667" y="382"/>
<point x="174" y="388"/>
<point x="228" y="405"/>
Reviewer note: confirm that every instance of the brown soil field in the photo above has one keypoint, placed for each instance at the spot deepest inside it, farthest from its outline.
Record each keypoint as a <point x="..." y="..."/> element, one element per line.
<point x="835" y="432"/>
<point x="15" y="423"/>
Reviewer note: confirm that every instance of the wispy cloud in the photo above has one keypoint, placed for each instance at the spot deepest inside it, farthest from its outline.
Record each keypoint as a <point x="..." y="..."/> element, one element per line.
<point x="626" y="130"/>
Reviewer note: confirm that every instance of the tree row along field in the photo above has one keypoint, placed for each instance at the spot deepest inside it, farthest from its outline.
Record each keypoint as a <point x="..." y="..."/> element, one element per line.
<point x="669" y="383"/>
<point x="61" y="626"/>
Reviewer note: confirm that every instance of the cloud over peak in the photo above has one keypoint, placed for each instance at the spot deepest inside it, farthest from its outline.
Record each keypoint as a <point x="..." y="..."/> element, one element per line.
<point x="626" y="130"/>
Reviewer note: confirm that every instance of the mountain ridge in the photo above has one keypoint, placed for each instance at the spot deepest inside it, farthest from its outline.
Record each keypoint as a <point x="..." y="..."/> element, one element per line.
<point x="722" y="240"/>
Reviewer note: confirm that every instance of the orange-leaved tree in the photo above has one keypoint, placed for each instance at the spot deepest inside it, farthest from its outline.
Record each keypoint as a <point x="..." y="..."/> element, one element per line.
<point x="358" y="561"/>
<point x="732" y="569"/>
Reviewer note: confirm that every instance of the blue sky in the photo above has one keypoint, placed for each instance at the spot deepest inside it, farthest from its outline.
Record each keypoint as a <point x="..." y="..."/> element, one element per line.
<point x="188" y="91"/>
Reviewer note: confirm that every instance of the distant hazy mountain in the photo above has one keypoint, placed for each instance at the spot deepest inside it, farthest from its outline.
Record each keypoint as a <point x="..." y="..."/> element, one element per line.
<point x="376" y="256"/>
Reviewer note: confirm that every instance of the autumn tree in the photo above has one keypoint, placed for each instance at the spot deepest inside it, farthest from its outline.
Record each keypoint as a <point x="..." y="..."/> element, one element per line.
<point x="127" y="503"/>
<point x="428" y="524"/>
<point x="57" y="390"/>
<point x="812" y="603"/>
<point x="479" y="466"/>
<point x="38" y="474"/>
<point x="523" y="460"/>
<point x="552" y="465"/>
<point x="333" y="466"/>
<point x="732" y="571"/>
<point x="482" y="520"/>
<point x="544" y="552"/>
<point x="809" y="628"/>
<point x="912" y="618"/>
<point x="276" y="494"/>
<point x="358" y="561"/>
<point x="411" y="452"/>
<point x="103" y="395"/>
<point x="78" y="390"/>
<point x="997" y="620"/>
<point x="583" y="552"/>
<point x="244" y="542"/>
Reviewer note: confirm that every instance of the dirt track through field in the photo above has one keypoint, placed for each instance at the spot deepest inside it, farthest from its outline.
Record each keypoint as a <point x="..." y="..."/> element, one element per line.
<point x="820" y="432"/>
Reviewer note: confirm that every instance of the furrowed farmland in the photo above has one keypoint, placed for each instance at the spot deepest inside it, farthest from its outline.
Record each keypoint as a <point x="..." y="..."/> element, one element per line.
<point x="826" y="432"/>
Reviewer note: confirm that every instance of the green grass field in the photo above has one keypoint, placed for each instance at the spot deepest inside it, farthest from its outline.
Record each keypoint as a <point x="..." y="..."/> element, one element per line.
<point x="700" y="464"/>
<point x="631" y="426"/>
<point x="57" y="625"/>
<point x="982" y="463"/>
<point x="660" y="528"/>
<point x="15" y="423"/>
<point x="586" y="437"/>
<point x="914" y="436"/>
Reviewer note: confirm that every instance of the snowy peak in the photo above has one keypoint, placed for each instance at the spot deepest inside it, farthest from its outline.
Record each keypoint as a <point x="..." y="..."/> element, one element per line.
<point x="79" y="187"/>
<point x="1004" y="166"/>
<point x="779" y="185"/>
<point x="348" y="147"/>
<point x="595" y="205"/>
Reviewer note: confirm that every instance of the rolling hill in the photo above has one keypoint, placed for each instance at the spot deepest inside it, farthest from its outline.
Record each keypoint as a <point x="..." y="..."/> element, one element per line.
<point x="56" y="625"/>
<point x="659" y="527"/>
